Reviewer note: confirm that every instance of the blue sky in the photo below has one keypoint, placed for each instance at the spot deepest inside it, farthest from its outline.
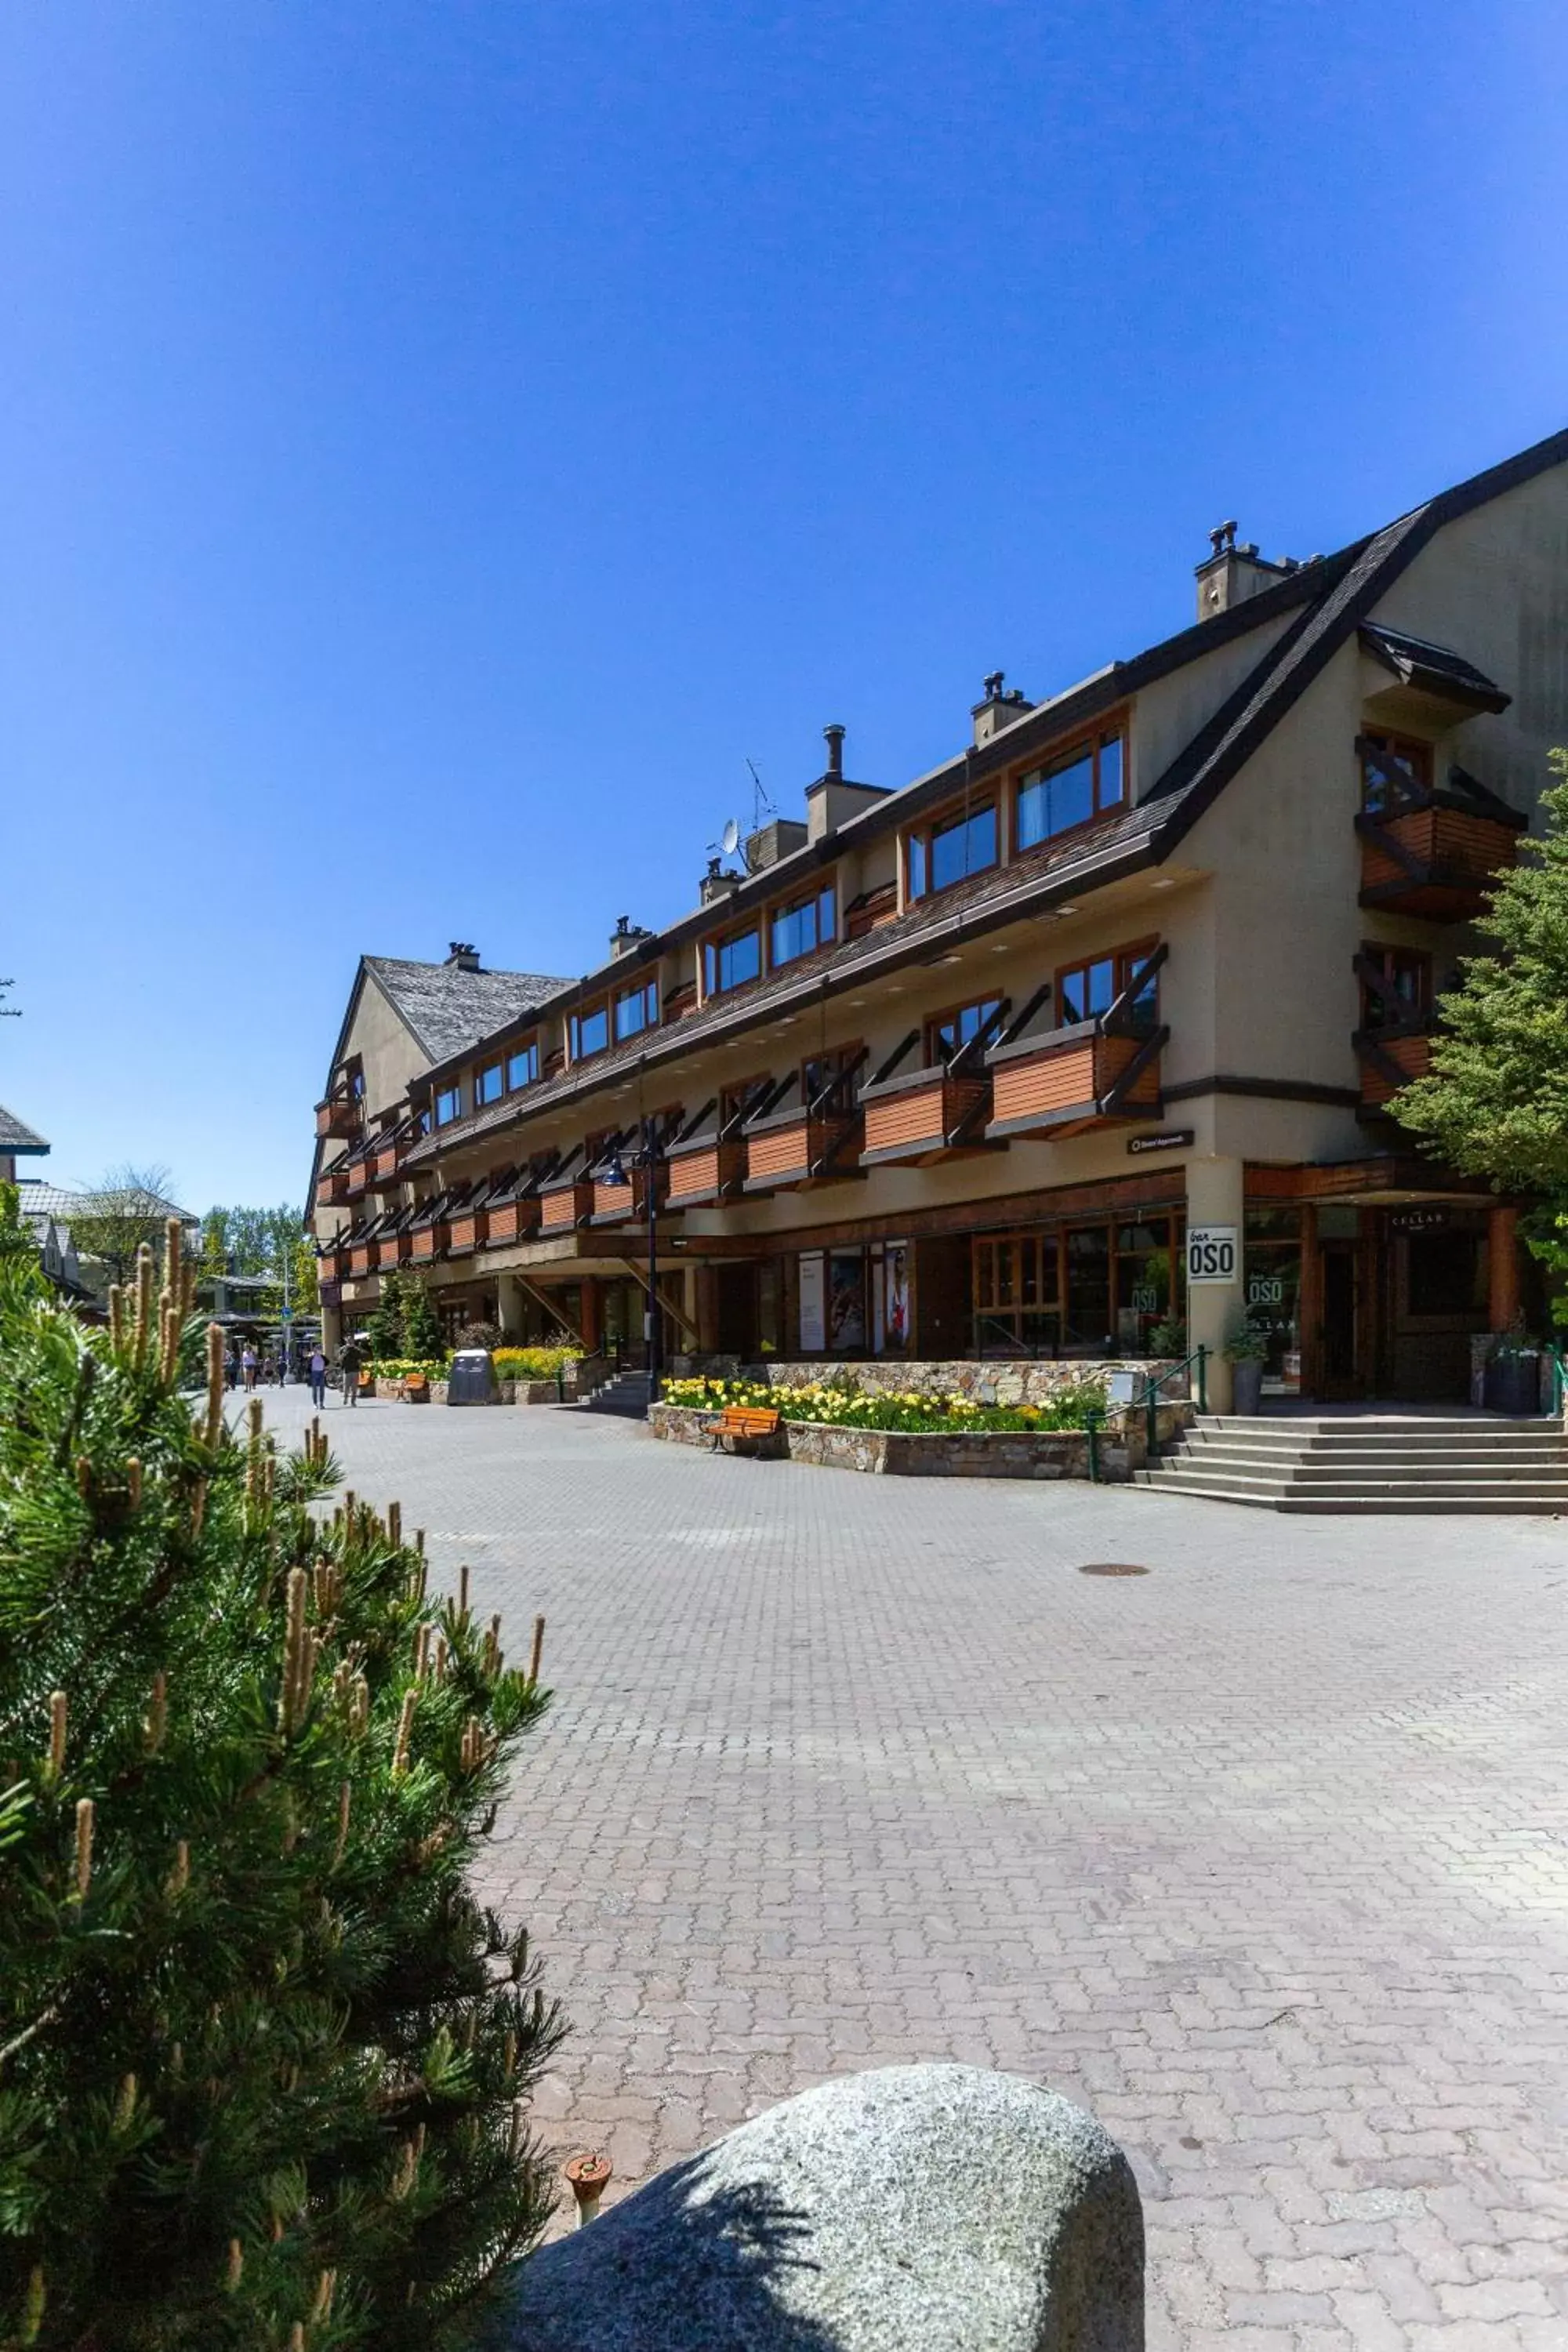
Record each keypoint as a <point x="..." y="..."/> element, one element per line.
<point x="440" y="445"/>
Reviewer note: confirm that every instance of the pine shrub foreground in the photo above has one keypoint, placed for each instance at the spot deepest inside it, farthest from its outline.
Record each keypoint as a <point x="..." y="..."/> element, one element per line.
<point x="263" y="2057"/>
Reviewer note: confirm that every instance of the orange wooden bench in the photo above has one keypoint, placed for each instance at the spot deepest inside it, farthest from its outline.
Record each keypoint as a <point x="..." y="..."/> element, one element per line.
<point x="744" y="1423"/>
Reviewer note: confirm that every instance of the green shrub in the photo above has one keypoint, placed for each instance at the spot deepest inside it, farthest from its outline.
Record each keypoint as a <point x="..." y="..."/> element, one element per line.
<point x="533" y="1363"/>
<point x="263" y="2051"/>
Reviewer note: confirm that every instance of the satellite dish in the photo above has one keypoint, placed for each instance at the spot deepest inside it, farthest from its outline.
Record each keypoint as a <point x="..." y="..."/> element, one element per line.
<point x="730" y="839"/>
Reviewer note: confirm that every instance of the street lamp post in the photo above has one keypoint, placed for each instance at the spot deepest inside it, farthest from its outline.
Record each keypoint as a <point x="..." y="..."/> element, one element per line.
<point x="646" y="1157"/>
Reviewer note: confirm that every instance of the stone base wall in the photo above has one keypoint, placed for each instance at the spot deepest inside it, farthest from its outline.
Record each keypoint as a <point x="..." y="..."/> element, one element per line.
<point x="988" y="1380"/>
<point x="939" y="1454"/>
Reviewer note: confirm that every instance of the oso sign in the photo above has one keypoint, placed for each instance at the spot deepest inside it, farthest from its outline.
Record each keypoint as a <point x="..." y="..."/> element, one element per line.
<point x="1212" y="1253"/>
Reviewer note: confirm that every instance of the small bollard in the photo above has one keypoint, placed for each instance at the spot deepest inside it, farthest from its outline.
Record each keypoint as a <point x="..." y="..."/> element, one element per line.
<point x="589" y="2177"/>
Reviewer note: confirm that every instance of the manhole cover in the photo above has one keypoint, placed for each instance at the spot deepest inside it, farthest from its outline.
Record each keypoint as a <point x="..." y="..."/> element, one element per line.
<point x="1111" y="1567"/>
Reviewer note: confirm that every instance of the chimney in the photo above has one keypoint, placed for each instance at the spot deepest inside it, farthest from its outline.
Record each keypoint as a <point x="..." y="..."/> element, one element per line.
<point x="833" y="800"/>
<point x="626" y="936"/>
<point x="1229" y="574"/>
<point x="461" y="956"/>
<point x="716" y="885"/>
<point x="998" y="709"/>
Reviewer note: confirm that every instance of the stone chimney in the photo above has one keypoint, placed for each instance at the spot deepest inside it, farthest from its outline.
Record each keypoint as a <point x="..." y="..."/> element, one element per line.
<point x="626" y="936"/>
<point x="998" y="709"/>
<point x="833" y="800"/>
<point x="1229" y="574"/>
<point x="716" y="885"/>
<point x="462" y="956"/>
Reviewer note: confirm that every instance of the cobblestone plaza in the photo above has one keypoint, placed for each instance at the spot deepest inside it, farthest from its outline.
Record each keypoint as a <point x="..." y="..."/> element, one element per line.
<point x="1262" y="1854"/>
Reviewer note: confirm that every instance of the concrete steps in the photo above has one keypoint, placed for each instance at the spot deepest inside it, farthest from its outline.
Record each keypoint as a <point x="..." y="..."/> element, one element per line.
<point x="624" y="1393"/>
<point x="1367" y="1463"/>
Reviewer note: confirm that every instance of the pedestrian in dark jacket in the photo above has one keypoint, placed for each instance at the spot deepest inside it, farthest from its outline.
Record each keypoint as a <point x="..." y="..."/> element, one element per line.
<point x="350" y="1358"/>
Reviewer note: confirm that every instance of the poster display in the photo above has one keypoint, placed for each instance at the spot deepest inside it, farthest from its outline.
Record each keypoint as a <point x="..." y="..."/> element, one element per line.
<point x="813" y="1304"/>
<point x="846" y="1302"/>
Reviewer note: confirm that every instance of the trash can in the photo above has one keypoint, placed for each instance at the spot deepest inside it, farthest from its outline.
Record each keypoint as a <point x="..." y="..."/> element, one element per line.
<point x="471" y="1379"/>
<point x="1511" y="1382"/>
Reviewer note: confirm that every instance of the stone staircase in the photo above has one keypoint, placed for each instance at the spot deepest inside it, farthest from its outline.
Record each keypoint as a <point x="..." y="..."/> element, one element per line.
<point x="624" y="1393"/>
<point x="1364" y="1462"/>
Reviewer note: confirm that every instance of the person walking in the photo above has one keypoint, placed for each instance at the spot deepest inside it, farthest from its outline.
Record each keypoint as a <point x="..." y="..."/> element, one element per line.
<point x="234" y="1367"/>
<point x="318" y="1377"/>
<point x="350" y="1360"/>
<point x="247" y="1366"/>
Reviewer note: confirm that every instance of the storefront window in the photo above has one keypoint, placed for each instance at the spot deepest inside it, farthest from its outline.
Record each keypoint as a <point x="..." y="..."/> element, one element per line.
<point x="846" y="1302"/>
<point x="1144" y="1257"/>
<point x="1273" y="1276"/>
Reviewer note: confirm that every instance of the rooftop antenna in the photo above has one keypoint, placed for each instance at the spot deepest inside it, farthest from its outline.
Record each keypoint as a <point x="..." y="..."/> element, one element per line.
<point x="761" y="798"/>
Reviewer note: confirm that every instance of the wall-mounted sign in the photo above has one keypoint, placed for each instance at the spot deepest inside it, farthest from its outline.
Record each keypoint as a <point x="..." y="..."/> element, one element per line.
<point x="1212" y="1253"/>
<point x="1170" y="1139"/>
<point x="1418" y="1221"/>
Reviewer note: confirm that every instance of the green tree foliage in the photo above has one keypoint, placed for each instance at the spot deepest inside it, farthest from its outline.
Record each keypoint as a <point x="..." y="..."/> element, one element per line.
<point x="257" y="1241"/>
<point x="1496" y="1101"/>
<point x="261" y="2053"/>
<point x="385" y="1329"/>
<point x="422" y="1336"/>
<point x="125" y="1214"/>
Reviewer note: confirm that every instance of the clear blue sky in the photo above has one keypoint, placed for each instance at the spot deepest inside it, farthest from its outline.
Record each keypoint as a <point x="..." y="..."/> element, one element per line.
<point x="440" y="444"/>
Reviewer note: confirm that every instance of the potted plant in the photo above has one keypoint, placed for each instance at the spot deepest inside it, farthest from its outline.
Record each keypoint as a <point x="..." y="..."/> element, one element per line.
<point x="1511" y="1381"/>
<point x="1246" y="1352"/>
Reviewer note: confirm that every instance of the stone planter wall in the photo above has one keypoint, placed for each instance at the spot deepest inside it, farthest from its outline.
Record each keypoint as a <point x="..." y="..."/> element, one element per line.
<point x="1017" y="1380"/>
<point x="942" y="1453"/>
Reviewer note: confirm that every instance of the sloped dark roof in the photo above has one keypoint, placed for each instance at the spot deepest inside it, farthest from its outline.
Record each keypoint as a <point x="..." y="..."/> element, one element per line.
<point x="449" y="1009"/>
<point x="15" y="1136"/>
<point x="1420" y="663"/>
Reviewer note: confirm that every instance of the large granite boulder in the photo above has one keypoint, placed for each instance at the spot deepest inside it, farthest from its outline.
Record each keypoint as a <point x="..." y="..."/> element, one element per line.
<point x="918" y="2209"/>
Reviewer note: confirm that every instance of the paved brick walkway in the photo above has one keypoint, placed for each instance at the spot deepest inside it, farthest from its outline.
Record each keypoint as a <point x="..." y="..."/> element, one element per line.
<point x="1263" y="1855"/>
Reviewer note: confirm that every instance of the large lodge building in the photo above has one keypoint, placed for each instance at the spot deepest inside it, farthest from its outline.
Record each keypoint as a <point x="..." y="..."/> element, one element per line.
<point x="951" y="1070"/>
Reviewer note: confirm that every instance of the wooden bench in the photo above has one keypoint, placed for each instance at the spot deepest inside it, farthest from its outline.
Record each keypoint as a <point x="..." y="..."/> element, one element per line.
<point x="745" y="1424"/>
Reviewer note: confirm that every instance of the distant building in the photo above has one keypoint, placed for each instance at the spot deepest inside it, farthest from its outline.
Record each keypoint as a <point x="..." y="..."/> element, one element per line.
<point x="51" y="1209"/>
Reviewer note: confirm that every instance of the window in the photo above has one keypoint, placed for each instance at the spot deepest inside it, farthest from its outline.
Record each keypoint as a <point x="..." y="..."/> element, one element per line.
<point x="448" y="1105"/>
<point x="1444" y="1274"/>
<point x="951" y="1030"/>
<point x="1406" y="974"/>
<point x="1394" y="768"/>
<point x="1086" y="992"/>
<point x="797" y="930"/>
<point x="832" y="1075"/>
<point x="590" y="1032"/>
<point x="487" y="1085"/>
<point x="522" y="1069"/>
<point x="952" y="850"/>
<point x="731" y="962"/>
<point x="636" y="1009"/>
<point x="1070" y="789"/>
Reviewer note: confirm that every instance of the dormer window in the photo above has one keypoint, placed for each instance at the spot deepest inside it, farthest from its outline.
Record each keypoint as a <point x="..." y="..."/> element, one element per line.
<point x="489" y="1085"/>
<point x="1072" y="788"/>
<point x="448" y="1105"/>
<point x="731" y="962"/>
<point x="800" y="927"/>
<point x="636" y="1009"/>
<point x="522" y="1067"/>
<point x="1394" y="769"/>
<point x="950" y="850"/>
<point x="590" y="1032"/>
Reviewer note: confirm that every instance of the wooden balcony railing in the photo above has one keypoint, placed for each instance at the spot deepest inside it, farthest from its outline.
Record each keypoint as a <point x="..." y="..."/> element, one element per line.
<point x="331" y="1265"/>
<point x="1437" y="852"/>
<point x="621" y="1204"/>
<point x="916" y="1116"/>
<point x="360" y="1259"/>
<point x="805" y="1143"/>
<point x="705" y="1171"/>
<point x="338" y="1116"/>
<point x="332" y="1186"/>
<point x="1389" y="1059"/>
<point x="512" y="1221"/>
<point x="467" y="1230"/>
<point x="1090" y="1074"/>
<point x="427" y="1242"/>
<point x="564" y="1207"/>
<point x="391" y="1249"/>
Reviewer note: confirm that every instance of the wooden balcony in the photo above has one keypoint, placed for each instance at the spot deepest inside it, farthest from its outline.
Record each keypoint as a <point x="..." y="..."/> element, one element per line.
<point x="1389" y="1059"/>
<point x="425" y="1242"/>
<point x="330" y="1292"/>
<point x="624" y="1204"/>
<point x="1437" y="853"/>
<point x="360" y="1259"/>
<point x="356" y="1177"/>
<point x="705" y="1171"/>
<point x="922" y="1116"/>
<point x="338" y="1116"/>
<point x="331" y="1266"/>
<point x="512" y="1221"/>
<point x="1070" y="1081"/>
<point x="385" y="1155"/>
<point x="564" y="1207"/>
<point x="794" y="1150"/>
<point x="390" y="1250"/>
<point x="332" y="1186"/>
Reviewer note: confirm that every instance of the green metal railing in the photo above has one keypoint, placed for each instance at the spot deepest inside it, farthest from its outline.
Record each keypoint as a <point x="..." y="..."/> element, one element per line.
<point x="1559" y="1377"/>
<point x="1148" y="1398"/>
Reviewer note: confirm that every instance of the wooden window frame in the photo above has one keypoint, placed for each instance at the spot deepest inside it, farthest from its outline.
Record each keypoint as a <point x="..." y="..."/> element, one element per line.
<point x="518" y="1086"/>
<point x="943" y="820"/>
<point x="574" y="1031"/>
<point x="441" y="1094"/>
<point x="793" y="906"/>
<point x="935" y="1021"/>
<point x="1386" y="954"/>
<point x="496" y="1070"/>
<point x="1061" y="755"/>
<point x="1396" y="749"/>
<point x="647" y="988"/>
<point x="717" y="941"/>
<point x="1123" y="961"/>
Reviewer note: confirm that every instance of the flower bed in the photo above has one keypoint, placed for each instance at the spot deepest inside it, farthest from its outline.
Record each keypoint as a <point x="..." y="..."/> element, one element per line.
<point x="535" y="1363"/>
<point x="840" y="1405"/>
<point x="953" y="1453"/>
